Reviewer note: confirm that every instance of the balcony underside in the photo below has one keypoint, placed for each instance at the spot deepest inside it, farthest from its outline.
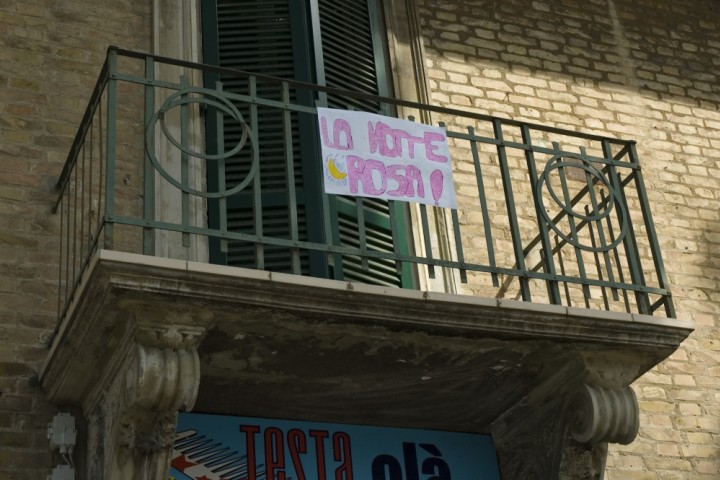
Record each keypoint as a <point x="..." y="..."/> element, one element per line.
<point x="285" y="346"/>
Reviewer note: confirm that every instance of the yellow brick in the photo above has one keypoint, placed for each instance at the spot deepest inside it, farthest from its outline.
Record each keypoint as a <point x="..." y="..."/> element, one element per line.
<point x="701" y="451"/>
<point x="631" y="462"/>
<point x="668" y="449"/>
<point x="675" y="464"/>
<point x="690" y="409"/>
<point x="700" y="438"/>
<point x="657" y="406"/>
<point x="631" y="475"/>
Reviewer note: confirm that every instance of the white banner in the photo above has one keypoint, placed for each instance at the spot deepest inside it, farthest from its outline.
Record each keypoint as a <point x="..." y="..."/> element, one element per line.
<point x="369" y="155"/>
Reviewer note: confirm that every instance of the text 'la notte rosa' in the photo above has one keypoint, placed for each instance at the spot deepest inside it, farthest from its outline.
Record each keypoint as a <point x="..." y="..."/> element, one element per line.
<point x="374" y="156"/>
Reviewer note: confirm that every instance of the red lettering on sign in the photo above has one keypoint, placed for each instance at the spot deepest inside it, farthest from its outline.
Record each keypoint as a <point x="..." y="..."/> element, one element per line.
<point x="320" y="436"/>
<point x="297" y="445"/>
<point x="341" y="453"/>
<point x="274" y="454"/>
<point x="250" y="431"/>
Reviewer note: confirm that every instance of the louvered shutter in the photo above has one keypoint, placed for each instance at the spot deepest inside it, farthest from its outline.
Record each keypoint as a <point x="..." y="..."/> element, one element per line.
<point x="275" y="37"/>
<point x="258" y="36"/>
<point x="352" y="58"/>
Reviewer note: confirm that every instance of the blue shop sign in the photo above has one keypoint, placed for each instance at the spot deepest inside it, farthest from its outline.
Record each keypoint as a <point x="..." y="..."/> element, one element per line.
<point x="217" y="447"/>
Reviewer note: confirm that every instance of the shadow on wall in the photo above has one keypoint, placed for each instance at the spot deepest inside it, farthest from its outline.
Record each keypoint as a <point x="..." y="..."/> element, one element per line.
<point x="669" y="53"/>
<point x="635" y="69"/>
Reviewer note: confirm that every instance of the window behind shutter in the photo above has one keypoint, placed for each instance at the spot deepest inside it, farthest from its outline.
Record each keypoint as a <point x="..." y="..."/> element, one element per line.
<point x="275" y="37"/>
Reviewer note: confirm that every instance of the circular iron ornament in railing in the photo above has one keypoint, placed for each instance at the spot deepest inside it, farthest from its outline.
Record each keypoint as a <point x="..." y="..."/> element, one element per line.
<point x="614" y="201"/>
<point x="209" y="98"/>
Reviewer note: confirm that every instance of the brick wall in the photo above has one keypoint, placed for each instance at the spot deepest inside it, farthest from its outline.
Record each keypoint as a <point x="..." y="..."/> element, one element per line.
<point x="633" y="69"/>
<point x="50" y="57"/>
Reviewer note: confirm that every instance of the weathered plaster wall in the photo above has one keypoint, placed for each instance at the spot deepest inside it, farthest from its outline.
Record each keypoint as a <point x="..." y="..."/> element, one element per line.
<point x="647" y="70"/>
<point x="51" y="53"/>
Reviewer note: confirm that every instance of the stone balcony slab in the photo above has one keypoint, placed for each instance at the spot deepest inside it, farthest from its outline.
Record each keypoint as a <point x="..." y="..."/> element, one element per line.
<point x="290" y="346"/>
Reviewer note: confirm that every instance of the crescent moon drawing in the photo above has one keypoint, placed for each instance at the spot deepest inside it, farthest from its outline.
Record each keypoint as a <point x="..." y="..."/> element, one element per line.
<point x="335" y="171"/>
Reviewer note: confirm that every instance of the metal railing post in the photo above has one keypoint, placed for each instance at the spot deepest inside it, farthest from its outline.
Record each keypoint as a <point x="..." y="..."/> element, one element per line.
<point x="110" y="149"/>
<point x="148" y="169"/>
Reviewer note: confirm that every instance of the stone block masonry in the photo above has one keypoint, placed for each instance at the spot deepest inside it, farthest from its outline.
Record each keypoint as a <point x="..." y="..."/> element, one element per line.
<point x="643" y="70"/>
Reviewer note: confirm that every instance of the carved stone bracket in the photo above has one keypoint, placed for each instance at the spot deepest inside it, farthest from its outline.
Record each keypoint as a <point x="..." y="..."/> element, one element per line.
<point x="561" y="430"/>
<point x="158" y="383"/>
<point x="154" y="374"/>
<point x="605" y="415"/>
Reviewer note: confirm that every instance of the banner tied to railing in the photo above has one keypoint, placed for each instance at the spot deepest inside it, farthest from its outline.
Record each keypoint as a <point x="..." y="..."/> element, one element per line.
<point x="369" y="155"/>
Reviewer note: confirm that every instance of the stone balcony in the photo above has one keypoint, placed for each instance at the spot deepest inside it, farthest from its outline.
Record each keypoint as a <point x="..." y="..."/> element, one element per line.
<point x="284" y="346"/>
<point x="530" y="312"/>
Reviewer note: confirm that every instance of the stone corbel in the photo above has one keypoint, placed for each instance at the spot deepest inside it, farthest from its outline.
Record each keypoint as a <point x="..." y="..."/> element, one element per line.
<point x="605" y="415"/>
<point x="162" y="378"/>
<point x="563" y="433"/>
<point x="156" y="376"/>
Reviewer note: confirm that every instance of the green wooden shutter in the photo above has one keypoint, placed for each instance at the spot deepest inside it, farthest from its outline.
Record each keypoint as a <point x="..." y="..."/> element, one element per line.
<point x="325" y="41"/>
<point x="351" y="56"/>
<point x="259" y="36"/>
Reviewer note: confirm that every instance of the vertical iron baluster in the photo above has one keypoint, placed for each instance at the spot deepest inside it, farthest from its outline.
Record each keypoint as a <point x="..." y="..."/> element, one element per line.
<point x="68" y="257"/>
<point x="607" y="153"/>
<point x="257" y="185"/>
<point x="512" y="214"/>
<point x="597" y="257"/>
<point x="456" y="231"/>
<point x="184" y="160"/>
<point x="110" y="149"/>
<point x="148" y="169"/>
<point x="616" y="253"/>
<point x="82" y="205"/>
<point x="458" y="244"/>
<point x="546" y="252"/>
<point x="91" y="232"/>
<point x="60" y="257"/>
<point x="221" y="181"/>
<point x="334" y="259"/>
<point x="75" y="273"/>
<point x="290" y="175"/>
<point x="426" y="232"/>
<point x="362" y="233"/>
<point x="573" y="229"/>
<point x="394" y="231"/>
<point x="393" y="209"/>
<point x="483" y="205"/>
<point x="631" y="249"/>
<point x="561" y="263"/>
<point x="650" y="228"/>
<point x="427" y="240"/>
<point x="101" y="176"/>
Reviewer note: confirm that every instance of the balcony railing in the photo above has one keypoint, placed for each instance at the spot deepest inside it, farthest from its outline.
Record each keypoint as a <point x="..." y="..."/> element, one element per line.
<point x="544" y="214"/>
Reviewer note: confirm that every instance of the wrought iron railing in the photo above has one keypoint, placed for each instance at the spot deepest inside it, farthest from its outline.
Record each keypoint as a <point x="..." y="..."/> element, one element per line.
<point x="544" y="214"/>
